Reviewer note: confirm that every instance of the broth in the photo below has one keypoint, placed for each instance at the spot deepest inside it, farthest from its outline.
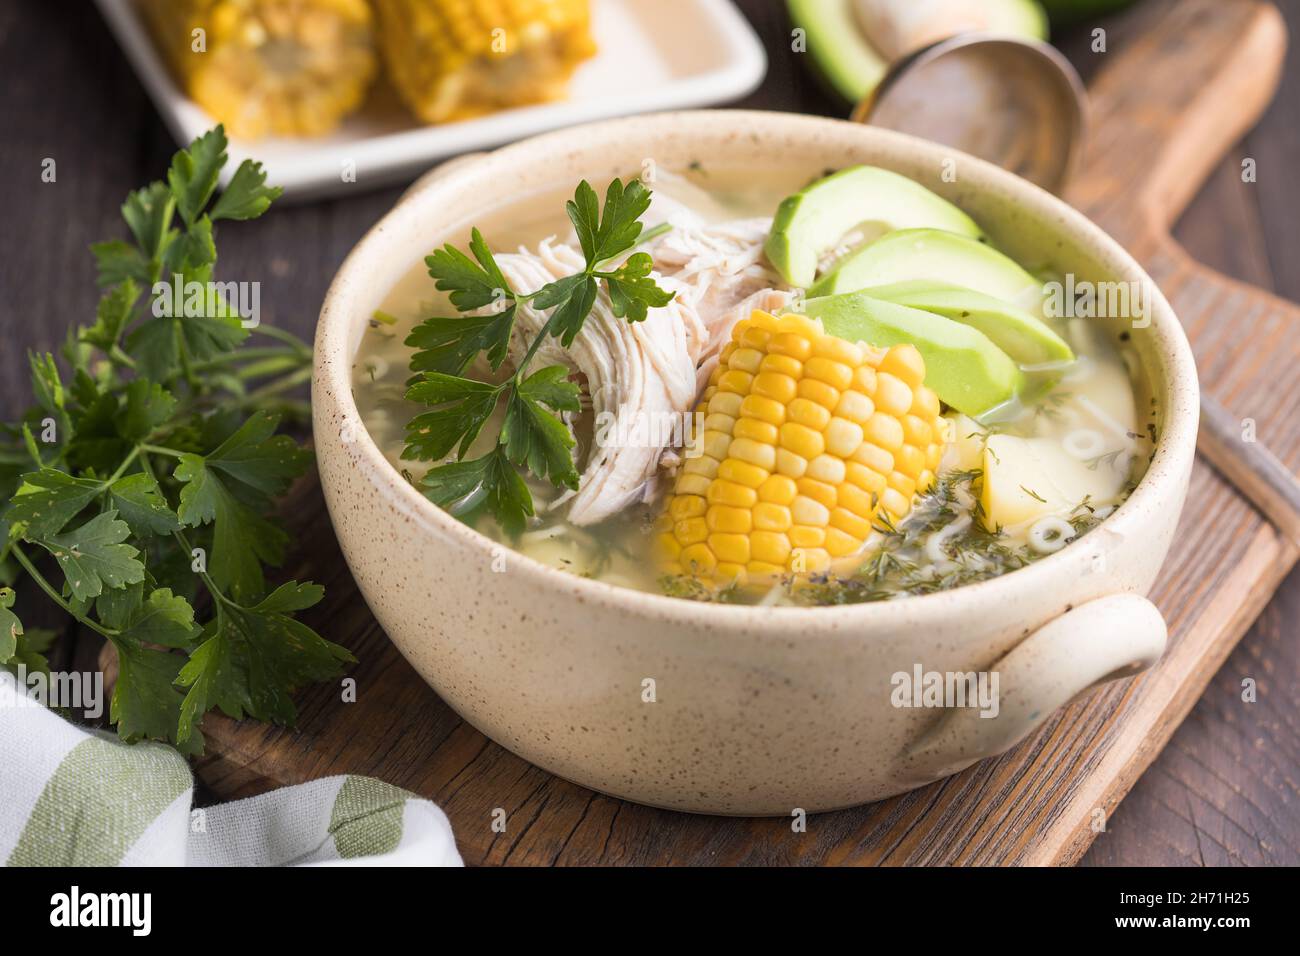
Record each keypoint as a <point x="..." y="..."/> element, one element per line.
<point x="1096" y="411"/>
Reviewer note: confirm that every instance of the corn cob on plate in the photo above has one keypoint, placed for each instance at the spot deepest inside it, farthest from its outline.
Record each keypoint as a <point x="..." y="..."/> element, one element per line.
<point x="269" y="67"/>
<point x="450" y="59"/>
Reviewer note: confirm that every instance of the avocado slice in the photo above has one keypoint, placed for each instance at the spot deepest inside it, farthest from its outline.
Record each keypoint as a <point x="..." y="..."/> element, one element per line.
<point x="931" y="254"/>
<point x="839" y="49"/>
<point x="965" y="369"/>
<point x="897" y="28"/>
<point x="852" y="65"/>
<point x="1021" y="334"/>
<point x="808" y="224"/>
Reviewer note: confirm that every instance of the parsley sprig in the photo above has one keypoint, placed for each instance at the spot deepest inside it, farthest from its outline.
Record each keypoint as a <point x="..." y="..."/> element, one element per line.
<point x="138" y="490"/>
<point x="532" y="436"/>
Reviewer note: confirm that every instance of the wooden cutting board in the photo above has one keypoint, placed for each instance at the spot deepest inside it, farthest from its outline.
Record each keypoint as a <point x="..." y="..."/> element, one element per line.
<point x="1184" y="79"/>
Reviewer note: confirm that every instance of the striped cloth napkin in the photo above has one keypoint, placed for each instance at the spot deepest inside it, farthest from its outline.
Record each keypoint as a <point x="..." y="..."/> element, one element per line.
<point x="70" y="796"/>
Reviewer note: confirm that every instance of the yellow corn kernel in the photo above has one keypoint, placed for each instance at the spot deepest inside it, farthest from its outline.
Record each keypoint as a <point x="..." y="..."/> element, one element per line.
<point x="843" y="437"/>
<point x="806" y="412"/>
<point x="779" y="388"/>
<point x="691" y="530"/>
<point x="906" y="362"/>
<point x="835" y="374"/>
<point x="810" y="512"/>
<point x="828" y="469"/>
<point x="769" y="516"/>
<point x="682" y="507"/>
<point x="893" y="395"/>
<point x="802" y="536"/>
<point x="755" y="453"/>
<point x="734" y="380"/>
<point x="909" y="460"/>
<point x="818" y="491"/>
<point x="925" y="404"/>
<point x="763" y="432"/>
<point x="850" y="523"/>
<point x="770" y="546"/>
<point x="884" y="430"/>
<point x="743" y="473"/>
<point x="726" y="403"/>
<point x="701" y="465"/>
<point x="782" y="365"/>
<point x="732" y="548"/>
<point x="825" y="395"/>
<point x="839" y="544"/>
<point x="807" y="439"/>
<point x="763" y="408"/>
<point x="802" y="440"/>
<point x="723" y="492"/>
<point x="747" y="360"/>
<point x="779" y="490"/>
<point x="790" y="464"/>
<point x="726" y="520"/>
<point x="698" y="558"/>
<point x="855" y="406"/>
<point x="753" y="338"/>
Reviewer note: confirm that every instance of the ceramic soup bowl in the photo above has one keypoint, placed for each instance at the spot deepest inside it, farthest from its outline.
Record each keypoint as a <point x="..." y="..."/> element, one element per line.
<point x="732" y="709"/>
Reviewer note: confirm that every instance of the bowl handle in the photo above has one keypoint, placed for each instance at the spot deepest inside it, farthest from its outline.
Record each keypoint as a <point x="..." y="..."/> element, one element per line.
<point x="1104" y="640"/>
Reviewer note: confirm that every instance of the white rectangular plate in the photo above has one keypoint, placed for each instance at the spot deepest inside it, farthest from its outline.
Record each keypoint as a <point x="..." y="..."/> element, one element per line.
<point x="653" y="55"/>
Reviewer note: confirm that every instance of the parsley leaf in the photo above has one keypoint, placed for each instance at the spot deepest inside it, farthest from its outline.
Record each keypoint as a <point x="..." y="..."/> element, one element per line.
<point x="93" y="556"/>
<point x="473" y="283"/>
<point x="112" y="315"/>
<point x="141" y="504"/>
<point x="461" y="407"/>
<point x="603" y="237"/>
<point x="48" y="499"/>
<point x="10" y="627"/>
<point x="572" y="298"/>
<point x="534" y="437"/>
<point x="251" y="659"/>
<point x="632" y="291"/>
<point x="448" y="345"/>
<point x="247" y="196"/>
<point x="193" y="175"/>
<point x="491" y="484"/>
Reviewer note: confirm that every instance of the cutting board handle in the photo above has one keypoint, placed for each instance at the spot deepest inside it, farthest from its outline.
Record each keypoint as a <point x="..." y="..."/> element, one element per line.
<point x="1180" y="107"/>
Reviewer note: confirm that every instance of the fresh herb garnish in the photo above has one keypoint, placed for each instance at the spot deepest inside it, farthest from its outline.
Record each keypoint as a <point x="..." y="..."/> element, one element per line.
<point x="533" y="437"/>
<point x="146" y="476"/>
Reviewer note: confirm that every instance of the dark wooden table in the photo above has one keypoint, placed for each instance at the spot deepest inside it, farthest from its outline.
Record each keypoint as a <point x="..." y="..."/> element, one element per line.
<point x="1227" y="788"/>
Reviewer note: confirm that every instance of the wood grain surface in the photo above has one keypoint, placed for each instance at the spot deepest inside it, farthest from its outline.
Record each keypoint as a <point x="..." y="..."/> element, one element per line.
<point x="1223" y="792"/>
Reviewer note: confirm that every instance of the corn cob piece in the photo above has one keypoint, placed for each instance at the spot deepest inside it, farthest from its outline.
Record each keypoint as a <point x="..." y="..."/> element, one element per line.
<point x="269" y="67"/>
<point x="452" y="59"/>
<point x="807" y="438"/>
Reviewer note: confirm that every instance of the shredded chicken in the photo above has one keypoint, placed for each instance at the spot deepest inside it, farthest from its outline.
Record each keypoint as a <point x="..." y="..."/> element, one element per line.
<point x="638" y="375"/>
<point x="643" y="378"/>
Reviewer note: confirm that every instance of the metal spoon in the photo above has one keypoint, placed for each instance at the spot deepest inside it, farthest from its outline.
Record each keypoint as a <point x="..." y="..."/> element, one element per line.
<point x="1015" y="102"/>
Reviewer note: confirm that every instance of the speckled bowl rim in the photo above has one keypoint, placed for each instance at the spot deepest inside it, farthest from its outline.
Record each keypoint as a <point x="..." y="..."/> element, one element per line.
<point x="1164" y="479"/>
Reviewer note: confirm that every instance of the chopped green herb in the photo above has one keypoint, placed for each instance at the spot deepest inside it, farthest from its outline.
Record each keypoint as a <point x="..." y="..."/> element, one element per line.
<point x="147" y="474"/>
